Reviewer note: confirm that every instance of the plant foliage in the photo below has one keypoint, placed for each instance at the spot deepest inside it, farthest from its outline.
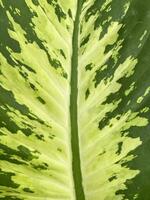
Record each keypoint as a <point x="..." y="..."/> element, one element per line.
<point x="74" y="99"/>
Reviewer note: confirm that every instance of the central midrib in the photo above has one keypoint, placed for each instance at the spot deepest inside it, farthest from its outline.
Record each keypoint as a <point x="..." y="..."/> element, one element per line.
<point x="76" y="166"/>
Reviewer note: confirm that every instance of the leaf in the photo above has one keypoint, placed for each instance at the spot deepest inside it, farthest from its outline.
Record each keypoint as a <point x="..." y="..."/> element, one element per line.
<point x="74" y="100"/>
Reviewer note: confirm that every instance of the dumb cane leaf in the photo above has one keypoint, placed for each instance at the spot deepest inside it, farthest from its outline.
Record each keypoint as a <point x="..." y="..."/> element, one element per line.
<point x="74" y="100"/>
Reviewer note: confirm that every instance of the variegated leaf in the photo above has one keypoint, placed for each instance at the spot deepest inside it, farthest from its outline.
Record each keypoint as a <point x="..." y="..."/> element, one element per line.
<point x="74" y="99"/>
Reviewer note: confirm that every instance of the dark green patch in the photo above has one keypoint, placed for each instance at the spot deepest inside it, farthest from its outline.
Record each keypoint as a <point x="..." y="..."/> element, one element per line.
<point x="23" y="74"/>
<point x="62" y="53"/>
<point x="87" y="93"/>
<point x="33" y="87"/>
<point x="28" y="190"/>
<point x="8" y="153"/>
<point x="7" y="98"/>
<point x="1" y="133"/>
<point x="70" y="13"/>
<point x="6" y="179"/>
<point x="41" y="100"/>
<point x="23" y="65"/>
<point x="102" y="123"/>
<point x="103" y="152"/>
<point x="88" y="66"/>
<point x="56" y="63"/>
<point x="58" y="10"/>
<point x="25" y="153"/>
<point x="40" y="137"/>
<point x="112" y="178"/>
<point x="65" y="75"/>
<point x="43" y="166"/>
<point x="119" y="148"/>
<point x="27" y="131"/>
<point x="85" y="40"/>
<point x="35" y="2"/>
<point x="52" y="136"/>
<point x="59" y="149"/>
<point x="109" y="48"/>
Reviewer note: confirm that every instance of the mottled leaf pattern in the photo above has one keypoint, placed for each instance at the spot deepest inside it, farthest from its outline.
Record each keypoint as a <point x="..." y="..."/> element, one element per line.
<point x="113" y="99"/>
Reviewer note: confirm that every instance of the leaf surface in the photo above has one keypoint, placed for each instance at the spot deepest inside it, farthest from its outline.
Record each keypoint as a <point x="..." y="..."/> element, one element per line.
<point x="74" y="100"/>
